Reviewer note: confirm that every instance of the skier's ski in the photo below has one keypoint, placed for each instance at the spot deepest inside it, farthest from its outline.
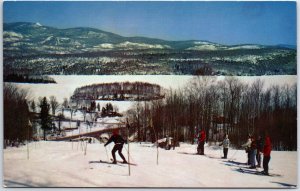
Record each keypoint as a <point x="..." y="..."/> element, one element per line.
<point x="270" y="174"/>
<point x="257" y="172"/>
<point x="133" y="164"/>
<point x="241" y="170"/>
<point x="106" y="162"/>
<point x="231" y="160"/>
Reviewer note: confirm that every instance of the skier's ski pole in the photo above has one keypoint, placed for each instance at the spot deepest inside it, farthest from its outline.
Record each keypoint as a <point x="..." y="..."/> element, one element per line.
<point x="127" y="125"/>
<point x="106" y="154"/>
<point x="233" y="155"/>
<point x="85" y="147"/>
<point x="129" y="155"/>
<point x="220" y="151"/>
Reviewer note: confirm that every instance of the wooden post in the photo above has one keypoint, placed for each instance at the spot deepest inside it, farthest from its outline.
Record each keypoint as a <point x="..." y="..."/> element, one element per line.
<point x="151" y="123"/>
<point x="29" y="125"/>
<point x="85" y="147"/>
<point x="28" y="142"/>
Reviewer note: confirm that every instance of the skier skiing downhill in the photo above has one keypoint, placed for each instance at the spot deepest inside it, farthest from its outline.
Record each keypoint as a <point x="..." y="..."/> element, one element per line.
<point x="119" y="142"/>
<point x="225" y="144"/>
<point x="201" y="142"/>
<point x="267" y="155"/>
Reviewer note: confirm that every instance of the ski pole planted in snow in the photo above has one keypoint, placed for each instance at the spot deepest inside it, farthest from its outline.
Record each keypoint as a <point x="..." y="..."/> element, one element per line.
<point x="231" y="158"/>
<point x="128" y="159"/>
<point x="106" y="154"/>
<point x="151" y="124"/>
<point x="129" y="155"/>
<point x="85" y="147"/>
<point x="220" y="151"/>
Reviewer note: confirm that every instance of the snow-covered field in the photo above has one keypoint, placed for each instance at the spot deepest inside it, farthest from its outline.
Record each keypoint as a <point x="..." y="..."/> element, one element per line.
<point x="66" y="84"/>
<point x="61" y="164"/>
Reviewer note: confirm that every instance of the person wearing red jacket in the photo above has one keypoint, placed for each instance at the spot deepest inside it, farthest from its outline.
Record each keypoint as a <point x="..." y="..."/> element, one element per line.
<point x="201" y="141"/>
<point x="267" y="155"/>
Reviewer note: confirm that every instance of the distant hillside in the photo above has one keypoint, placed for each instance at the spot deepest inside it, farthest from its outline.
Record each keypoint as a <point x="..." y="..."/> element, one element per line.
<point x="31" y="46"/>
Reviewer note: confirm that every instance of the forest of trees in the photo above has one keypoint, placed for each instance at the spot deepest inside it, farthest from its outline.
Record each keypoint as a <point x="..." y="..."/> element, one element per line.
<point x="268" y="61"/>
<point x="17" y="127"/>
<point x="21" y="115"/>
<point x="228" y="106"/>
<point x="119" y="91"/>
<point x="28" y="79"/>
<point x="218" y="107"/>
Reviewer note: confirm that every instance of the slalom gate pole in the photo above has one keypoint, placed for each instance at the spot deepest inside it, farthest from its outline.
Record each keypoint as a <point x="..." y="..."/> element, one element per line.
<point x="155" y="134"/>
<point x="27" y="150"/>
<point x="129" y="155"/>
<point x="28" y="143"/>
<point x="106" y="154"/>
<point x="85" y="147"/>
<point x="81" y="145"/>
<point x="220" y="151"/>
<point x="127" y="125"/>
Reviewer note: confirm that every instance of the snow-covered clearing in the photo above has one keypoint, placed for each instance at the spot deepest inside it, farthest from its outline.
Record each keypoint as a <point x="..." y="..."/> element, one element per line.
<point x="59" y="164"/>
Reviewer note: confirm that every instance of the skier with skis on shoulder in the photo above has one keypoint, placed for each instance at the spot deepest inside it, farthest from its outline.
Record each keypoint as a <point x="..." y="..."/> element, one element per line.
<point x="267" y="155"/>
<point x="201" y="142"/>
<point x="225" y="144"/>
<point x="119" y="142"/>
<point x="247" y="147"/>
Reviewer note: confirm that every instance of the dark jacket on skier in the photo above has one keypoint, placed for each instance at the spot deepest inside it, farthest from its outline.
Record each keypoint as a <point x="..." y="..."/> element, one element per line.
<point x="116" y="138"/>
<point x="201" y="141"/>
<point x="259" y="144"/>
<point x="119" y="142"/>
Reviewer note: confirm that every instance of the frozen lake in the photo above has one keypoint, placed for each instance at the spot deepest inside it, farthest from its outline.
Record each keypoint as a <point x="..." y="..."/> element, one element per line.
<point x="66" y="84"/>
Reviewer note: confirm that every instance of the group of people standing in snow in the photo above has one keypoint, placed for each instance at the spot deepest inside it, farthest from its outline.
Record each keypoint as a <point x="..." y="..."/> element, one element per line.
<point x="254" y="149"/>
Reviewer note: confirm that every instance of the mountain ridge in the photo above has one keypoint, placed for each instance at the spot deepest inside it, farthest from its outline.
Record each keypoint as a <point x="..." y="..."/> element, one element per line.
<point x="31" y="48"/>
<point x="91" y="37"/>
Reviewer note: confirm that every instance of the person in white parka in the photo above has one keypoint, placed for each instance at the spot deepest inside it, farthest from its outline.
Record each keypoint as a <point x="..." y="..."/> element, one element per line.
<point x="225" y="144"/>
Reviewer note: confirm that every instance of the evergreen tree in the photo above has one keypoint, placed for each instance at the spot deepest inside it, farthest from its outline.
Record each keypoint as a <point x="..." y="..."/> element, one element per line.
<point x="109" y="107"/>
<point x="44" y="115"/>
<point x="33" y="106"/>
<point x="93" y="106"/>
<point x="16" y="114"/>
<point x="98" y="107"/>
<point x="54" y="104"/>
<point x="103" y="113"/>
